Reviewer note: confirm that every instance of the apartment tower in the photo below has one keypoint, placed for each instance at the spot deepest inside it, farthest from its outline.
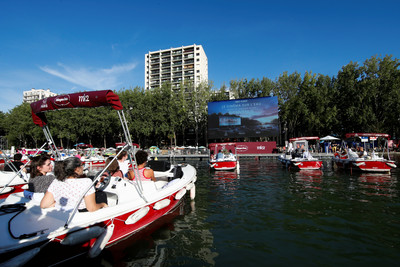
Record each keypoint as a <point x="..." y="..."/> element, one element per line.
<point x="176" y="65"/>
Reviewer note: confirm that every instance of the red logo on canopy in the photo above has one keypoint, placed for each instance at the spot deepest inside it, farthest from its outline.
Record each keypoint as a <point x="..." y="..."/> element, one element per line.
<point x="62" y="100"/>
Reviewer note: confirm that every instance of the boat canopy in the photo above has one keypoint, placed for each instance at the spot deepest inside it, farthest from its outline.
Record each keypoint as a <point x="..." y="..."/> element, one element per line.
<point x="76" y="100"/>
<point x="303" y="138"/>
<point x="349" y="135"/>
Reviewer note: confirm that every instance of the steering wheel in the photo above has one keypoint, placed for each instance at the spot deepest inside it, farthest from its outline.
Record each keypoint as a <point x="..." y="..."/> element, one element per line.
<point x="103" y="181"/>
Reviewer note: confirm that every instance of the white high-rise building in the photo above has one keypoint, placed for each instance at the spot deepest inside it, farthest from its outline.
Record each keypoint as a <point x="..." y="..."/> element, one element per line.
<point x="176" y="65"/>
<point x="36" y="95"/>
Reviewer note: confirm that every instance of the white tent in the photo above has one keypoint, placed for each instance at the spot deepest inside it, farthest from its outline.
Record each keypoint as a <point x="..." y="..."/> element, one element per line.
<point x="328" y="138"/>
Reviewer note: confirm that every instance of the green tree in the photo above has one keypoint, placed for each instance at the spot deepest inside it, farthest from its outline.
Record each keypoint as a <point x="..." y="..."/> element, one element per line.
<point x="287" y="88"/>
<point x="197" y="105"/>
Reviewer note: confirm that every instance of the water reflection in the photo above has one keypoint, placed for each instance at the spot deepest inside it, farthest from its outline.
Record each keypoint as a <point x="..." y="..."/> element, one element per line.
<point x="227" y="176"/>
<point x="377" y="184"/>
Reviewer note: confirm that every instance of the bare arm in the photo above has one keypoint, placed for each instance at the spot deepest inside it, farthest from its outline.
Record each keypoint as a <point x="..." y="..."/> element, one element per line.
<point x="47" y="201"/>
<point x="91" y="205"/>
<point x="150" y="173"/>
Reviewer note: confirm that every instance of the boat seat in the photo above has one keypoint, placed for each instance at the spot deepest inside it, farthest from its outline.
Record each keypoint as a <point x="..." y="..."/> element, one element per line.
<point x="112" y="199"/>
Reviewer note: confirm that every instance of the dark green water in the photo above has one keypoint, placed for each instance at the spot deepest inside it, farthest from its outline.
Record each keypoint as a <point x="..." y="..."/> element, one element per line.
<point x="269" y="216"/>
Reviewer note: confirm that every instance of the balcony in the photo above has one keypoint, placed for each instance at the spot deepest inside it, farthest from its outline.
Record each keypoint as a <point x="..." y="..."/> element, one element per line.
<point x="188" y="50"/>
<point x="188" y="56"/>
<point x="190" y="72"/>
<point x="176" y="52"/>
<point x="155" y="55"/>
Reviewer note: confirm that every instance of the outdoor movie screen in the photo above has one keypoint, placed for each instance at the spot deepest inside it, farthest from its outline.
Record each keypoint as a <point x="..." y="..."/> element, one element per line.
<point x="251" y="117"/>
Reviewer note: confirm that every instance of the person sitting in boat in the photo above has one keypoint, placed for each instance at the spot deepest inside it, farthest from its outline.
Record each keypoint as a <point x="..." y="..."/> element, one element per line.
<point x="363" y="153"/>
<point x="212" y="156"/>
<point x="17" y="163"/>
<point x="113" y="169"/>
<point x="230" y="155"/>
<point x="146" y="174"/>
<point x="65" y="191"/>
<point x="123" y="162"/>
<point x="220" y="156"/>
<point x="296" y="154"/>
<point x="41" y="176"/>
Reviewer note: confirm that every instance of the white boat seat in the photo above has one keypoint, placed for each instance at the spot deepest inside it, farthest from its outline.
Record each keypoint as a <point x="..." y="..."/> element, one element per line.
<point x="112" y="199"/>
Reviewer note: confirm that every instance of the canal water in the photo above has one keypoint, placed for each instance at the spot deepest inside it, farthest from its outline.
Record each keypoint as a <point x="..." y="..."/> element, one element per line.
<point x="270" y="216"/>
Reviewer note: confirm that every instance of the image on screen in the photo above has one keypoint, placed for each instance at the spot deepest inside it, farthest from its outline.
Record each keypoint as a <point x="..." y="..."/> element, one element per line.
<point x="252" y="117"/>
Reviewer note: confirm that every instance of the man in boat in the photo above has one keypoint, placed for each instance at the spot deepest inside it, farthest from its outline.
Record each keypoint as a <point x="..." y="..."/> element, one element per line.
<point x="220" y="155"/>
<point x="17" y="163"/>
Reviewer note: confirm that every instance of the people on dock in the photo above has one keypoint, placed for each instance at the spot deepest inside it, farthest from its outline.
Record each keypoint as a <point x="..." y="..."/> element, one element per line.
<point x="17" y="163"/>
<point x="146" y="174"/>
<point x="41" y="176"/>
<point x="65" y="191"/>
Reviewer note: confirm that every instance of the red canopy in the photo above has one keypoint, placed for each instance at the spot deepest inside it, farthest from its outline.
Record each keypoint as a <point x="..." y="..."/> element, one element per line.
<point x="75" y="100"/>
<point x="348" y="135"/>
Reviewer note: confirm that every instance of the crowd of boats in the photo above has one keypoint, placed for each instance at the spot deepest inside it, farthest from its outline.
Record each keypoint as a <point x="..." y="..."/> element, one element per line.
<point x="365" y="152"/>
<point x="358" y="152"/>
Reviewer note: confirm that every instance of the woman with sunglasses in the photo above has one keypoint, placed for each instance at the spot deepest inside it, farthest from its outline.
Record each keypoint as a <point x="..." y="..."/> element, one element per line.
<point x="65" y="191"/>
<point x="40" y="177"/>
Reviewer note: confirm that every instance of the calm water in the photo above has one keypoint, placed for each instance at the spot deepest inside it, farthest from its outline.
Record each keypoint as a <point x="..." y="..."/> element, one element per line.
<point x="269" y="216"/>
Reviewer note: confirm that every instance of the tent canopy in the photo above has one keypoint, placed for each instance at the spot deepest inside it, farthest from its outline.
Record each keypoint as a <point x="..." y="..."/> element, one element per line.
<point x="329" y="138"/>
<point x="303" y="138"/>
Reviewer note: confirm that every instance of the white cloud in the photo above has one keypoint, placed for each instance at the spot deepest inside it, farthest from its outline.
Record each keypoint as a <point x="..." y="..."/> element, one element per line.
<point x="96" y="79"/>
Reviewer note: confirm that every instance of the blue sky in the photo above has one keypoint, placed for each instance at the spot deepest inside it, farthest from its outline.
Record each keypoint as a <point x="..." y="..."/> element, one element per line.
<point x="69" y="46"/>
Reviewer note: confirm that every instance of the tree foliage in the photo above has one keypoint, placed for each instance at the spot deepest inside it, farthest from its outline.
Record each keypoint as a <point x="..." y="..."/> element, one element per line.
<point x="361" y="98"/>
